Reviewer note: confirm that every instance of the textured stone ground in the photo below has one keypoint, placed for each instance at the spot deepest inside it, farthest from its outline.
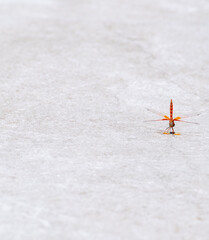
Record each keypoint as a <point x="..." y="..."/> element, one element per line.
<point x="77" y="159"/>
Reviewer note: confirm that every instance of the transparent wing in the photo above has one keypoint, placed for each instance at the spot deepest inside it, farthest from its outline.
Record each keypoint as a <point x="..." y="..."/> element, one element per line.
<point x="164" y="119"/>
<point x="177" y="119"/>
<point x="158" y="113"/>
<point x="190" y="115"/>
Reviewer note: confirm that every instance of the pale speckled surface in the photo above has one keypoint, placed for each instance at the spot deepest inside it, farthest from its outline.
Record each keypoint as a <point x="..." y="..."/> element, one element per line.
<point x="77" y="160"/>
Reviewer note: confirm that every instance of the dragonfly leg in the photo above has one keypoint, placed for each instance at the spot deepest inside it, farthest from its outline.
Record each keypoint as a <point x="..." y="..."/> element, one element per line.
<point x="172" y="132"/>
<point x="167" y="129"/>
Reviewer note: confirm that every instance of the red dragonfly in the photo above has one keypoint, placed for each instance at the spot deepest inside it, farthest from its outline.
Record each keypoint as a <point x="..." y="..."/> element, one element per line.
<point x="171" y="120"/>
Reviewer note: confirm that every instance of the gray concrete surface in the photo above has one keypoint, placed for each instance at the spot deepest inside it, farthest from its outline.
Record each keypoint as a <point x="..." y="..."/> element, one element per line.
<point x="77" y="159"/>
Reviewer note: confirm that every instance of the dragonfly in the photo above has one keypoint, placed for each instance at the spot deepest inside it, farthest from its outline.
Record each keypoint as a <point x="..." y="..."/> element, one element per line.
<point x="171" y="120"/>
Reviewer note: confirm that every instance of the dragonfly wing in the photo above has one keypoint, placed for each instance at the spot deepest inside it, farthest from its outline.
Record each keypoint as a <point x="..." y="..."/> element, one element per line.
<point x="191" y="115"/>
<point x="164" y="119"/>
<point x="158" y="113"/>
<point x="184" y="121"/>
<point x="177" y="118"/>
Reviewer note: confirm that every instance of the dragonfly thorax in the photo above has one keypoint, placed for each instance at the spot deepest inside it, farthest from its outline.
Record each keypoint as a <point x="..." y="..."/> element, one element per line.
<point x="171" y="123"/>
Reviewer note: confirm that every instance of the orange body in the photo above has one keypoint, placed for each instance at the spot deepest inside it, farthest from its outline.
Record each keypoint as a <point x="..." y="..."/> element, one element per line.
<point x="171" y="120"/>
<point x="171" y="110"/>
